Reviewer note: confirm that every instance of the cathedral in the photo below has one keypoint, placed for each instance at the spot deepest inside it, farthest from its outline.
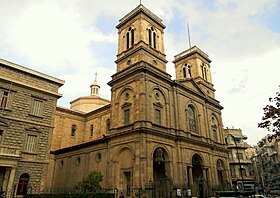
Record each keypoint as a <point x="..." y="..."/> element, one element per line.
<point x="156" y="132"/>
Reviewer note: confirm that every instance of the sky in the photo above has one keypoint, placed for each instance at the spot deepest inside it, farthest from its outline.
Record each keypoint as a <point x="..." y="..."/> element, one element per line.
<point x="73" y="39"/>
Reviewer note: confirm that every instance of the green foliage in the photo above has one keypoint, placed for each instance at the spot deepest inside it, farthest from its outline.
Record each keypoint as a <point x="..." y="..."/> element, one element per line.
<point x="91" y="183"/>
<point x="271" y="118"/>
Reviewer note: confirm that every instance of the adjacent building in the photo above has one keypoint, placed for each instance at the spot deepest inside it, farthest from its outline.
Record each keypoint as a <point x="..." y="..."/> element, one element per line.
<point x="156" y="135"/>
<point x="266" y="162"/>
<point x="28" y="100"/>
<point x="240" y="164"/>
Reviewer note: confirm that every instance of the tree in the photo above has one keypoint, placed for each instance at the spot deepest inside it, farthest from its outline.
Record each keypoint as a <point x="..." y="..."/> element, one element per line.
<point x="91" y="183"/>
<point x="271" y="118"/>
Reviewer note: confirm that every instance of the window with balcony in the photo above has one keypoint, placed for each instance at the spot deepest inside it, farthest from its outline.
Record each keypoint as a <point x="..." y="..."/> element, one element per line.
<point x="239" y="156"/>
<point x="232" y="171"/>
<point x="242" y="172"/>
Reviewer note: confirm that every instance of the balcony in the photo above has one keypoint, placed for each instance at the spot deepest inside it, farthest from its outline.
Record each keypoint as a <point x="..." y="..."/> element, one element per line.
<point x="9" y="152"/>
<point x="235" y="160"/>
<point x="237" y="146"/>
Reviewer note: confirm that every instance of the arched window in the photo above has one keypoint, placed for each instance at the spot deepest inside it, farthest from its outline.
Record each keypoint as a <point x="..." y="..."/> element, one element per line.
<point x="184" y="72"/>
<point x="155" y="40"/>
<point x="73" y="130"/>
<point x="204" y="71"/>
<point x="91" y="130"/>
<point x="23" y="184"/>
<point x="214" y="128"/>
<point x="130" y="38"/>
<point x="191" y="119"/>
<point x="152" y="37"/>
<point x="127" y="40"/>
<point x="187" y="71"/>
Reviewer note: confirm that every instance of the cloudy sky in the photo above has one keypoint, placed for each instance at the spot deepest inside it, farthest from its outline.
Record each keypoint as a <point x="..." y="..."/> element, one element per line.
<point x="72" y="39"/>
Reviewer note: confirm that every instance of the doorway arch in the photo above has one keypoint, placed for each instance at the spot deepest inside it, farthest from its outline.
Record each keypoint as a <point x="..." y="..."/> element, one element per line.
<point x="197" y="172"/>
<point x="161" y="173"/>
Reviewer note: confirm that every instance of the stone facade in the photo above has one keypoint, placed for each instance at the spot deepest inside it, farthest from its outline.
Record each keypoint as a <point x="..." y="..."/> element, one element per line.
<point x="159" y="131"/>
<point x="28" y="100"/>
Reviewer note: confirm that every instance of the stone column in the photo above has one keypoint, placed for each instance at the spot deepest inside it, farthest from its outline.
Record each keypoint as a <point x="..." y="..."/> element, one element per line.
<point x="190" y="175"/>
<point x="186" y="175"/>
<point x="10" y="183"/>
<point x="209" y="179"/>
<point x="204" y="174"/>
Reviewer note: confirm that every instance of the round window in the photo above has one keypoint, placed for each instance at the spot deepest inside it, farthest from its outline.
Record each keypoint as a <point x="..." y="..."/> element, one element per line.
<point x="98" y="157"/>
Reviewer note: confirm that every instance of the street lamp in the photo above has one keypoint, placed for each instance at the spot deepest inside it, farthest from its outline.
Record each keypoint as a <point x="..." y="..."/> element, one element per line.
<point x="238" y="157"/>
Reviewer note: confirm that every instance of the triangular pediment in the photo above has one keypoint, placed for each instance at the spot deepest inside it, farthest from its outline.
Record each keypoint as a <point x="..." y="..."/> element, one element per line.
<point x="126" y="104"/>
<point x="191" y="84"/>
<point x="158" y="104"/>
<point x="34" y="129"/>
<point x="3" y="123"/>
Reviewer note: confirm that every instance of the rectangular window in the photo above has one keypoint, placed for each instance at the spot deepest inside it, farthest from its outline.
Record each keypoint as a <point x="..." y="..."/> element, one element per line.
<point x="232" y="171"/>
<point x="4" y="100"/>
<point x="126" y="116"/>
<point x="157" y="116"/>
<point x="30" y="144"/>
<point x="243" y="172"/>
<point x="1" y="135"/>
<point x="37" y="107"/>
<point x="239" y="156"/>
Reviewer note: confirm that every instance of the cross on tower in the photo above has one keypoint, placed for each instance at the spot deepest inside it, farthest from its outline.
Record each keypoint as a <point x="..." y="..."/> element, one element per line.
<point x="95" y="75"/>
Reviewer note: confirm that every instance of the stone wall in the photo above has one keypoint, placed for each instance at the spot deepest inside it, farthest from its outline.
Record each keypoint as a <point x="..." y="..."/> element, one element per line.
<point x="25" y="85"/>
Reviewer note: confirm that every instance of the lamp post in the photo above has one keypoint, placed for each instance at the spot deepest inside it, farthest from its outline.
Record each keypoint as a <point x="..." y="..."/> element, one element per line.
<point x="238" y="157"/>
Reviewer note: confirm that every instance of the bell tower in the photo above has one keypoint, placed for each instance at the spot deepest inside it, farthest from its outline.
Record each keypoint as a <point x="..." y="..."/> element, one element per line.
<point x="94" y="88"/>
<point x="140" y="39"/>
<point x="195" y="64"/>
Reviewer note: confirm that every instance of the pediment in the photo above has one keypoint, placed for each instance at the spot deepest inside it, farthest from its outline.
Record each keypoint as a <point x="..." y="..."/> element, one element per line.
<point x="191" y="84"/>
<point x="3" y="123"/>
<point x="158" y="104"/>
<point x="34" y="129"/>
<point x="126" y="104"/>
